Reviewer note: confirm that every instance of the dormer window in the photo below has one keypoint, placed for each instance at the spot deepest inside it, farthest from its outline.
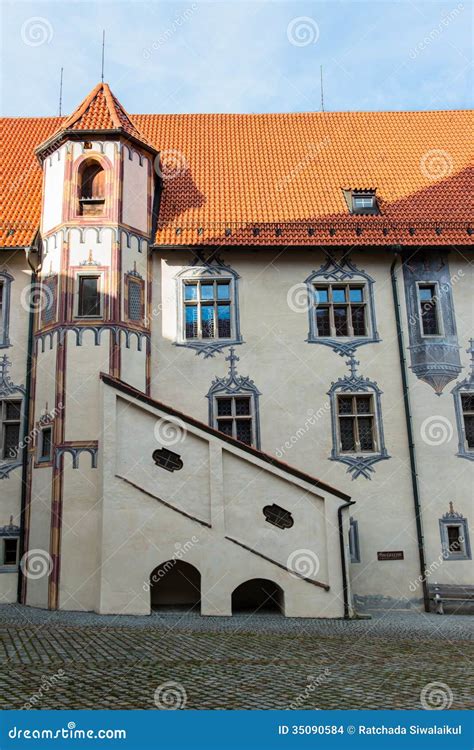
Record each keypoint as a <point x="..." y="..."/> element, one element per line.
<point x="361" y="201"/>
<point x="91" y="189"/>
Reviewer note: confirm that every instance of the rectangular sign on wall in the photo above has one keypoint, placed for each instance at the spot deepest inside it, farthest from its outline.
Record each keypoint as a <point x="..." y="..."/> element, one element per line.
<point x="396" y="555"/>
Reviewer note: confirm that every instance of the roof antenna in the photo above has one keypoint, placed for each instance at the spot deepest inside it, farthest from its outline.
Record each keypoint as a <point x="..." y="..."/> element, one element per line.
<point x="322" y="89"/>
<point x="103" y="54"/>
<point x="61" y="93"/>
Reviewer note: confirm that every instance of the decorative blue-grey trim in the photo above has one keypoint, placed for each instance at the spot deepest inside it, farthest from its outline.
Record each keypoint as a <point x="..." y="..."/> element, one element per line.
<point x="234" y="385"/>
<point x="452" y="518"/>
<point x="358" y="465"/>
<point x="6" y="280"/>
<point x="212" y="268"/>
<point x="75" y="452"/>
<point x="434" y="359"/>
<point x="10" y="529"/>
<point x="97" y="330"/>
<point x="465" y="386"/>
<point x="7" y="389"/>
<point x="331" y="271"/>
<point x="354" y="545"/>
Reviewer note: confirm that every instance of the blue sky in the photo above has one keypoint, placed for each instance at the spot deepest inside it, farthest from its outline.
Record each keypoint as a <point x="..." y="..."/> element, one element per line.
<point x="239" y="56"/>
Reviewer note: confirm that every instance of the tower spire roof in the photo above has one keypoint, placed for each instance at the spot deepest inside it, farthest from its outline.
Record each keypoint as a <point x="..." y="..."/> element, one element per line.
<point x="100" y="111"/>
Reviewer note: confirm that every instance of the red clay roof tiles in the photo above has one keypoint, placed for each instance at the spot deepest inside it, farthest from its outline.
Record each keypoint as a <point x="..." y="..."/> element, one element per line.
<point x="274" y="179"/>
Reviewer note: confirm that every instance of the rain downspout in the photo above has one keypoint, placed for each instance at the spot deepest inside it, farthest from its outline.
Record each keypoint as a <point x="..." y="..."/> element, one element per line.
<point x="409" y="425"/>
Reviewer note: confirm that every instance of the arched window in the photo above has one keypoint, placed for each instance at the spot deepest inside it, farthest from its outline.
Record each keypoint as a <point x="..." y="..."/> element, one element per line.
<point x="91" y="189"/>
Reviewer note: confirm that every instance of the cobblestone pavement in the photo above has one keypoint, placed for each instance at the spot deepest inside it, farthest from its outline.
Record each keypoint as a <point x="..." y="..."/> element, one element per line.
<point x="81" y="660"/>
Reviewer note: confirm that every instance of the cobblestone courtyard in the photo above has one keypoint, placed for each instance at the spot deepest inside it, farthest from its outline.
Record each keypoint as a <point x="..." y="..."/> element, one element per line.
<point x="76" y="660"/>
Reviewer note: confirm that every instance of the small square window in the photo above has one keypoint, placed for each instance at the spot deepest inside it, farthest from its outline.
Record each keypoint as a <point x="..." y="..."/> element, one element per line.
<point x="360" y="202"/>
<point x="9" y="551"/>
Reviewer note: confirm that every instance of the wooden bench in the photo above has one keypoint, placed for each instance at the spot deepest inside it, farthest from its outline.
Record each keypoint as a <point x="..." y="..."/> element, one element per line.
<point x="449" y="592"/>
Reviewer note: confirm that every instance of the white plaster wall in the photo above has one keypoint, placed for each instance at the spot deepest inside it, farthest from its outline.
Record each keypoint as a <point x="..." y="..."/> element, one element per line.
<point x="294" y="377"/>
<point x="84" y="364"/>
<point x="80" y="535"/>
<point x="54" y="174"/>
<point x="133" y="363"/>
<point x="139" y="433"/>
<point x="137" y="527"/>
<point x="135" y="190"/>
<point x="99" y="244"/>
<point x="443" y="476"/>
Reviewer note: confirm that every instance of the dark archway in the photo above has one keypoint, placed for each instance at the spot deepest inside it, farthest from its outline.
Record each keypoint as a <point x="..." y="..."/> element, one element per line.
<point x="258" y="595"/>
<point x="175" y="585"/>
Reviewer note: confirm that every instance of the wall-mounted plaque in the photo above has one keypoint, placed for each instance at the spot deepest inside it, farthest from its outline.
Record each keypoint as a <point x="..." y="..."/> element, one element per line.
<point x="278" y="516"/>
<point x="395" y="555"/>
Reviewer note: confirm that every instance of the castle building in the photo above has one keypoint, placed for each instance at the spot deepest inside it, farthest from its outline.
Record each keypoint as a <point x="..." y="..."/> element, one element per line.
<point x="236" y="360"/>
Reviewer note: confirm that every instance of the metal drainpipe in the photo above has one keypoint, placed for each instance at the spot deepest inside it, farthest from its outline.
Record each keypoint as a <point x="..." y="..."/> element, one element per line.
<point x="343" y="557"/>
<point x="26" y="422"/>
<point x="409" y="425"/>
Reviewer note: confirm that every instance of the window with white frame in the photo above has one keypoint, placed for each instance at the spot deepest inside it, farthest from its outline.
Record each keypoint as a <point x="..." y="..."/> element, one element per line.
<point x="89" y="298"/>
<point x="429" y="311"/>
<point x="9" y="547"/>
<point x="208" y="309"/>
<point x="356" y="423"/>
<point x="340" y="310"/>
<point x="10" y="428"/>
<point x="234" y="415"/>
<point x="454" y="533"/>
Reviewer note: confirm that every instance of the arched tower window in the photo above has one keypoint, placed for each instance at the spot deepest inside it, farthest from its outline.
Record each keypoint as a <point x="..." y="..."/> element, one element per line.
<point x="91" y="189"/>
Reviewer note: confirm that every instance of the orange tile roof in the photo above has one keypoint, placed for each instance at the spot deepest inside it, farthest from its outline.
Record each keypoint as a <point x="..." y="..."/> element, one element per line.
<point x="274" y="179"/>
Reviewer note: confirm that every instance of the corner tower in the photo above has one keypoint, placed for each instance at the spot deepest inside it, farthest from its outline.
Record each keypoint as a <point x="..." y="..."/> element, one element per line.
<point x="93" y="296"/>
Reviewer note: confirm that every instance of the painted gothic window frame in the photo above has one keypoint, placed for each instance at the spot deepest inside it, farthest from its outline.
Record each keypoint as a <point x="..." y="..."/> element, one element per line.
<point x="216" y="274"/>
<point x="6" y="280"/>
<point x="359" y="462"/>
<point x="235" y="386"/>
<point x="346" y="274"/>
<point x="9" y="391"/>
<point x="439" y="318"/>
<point x="457" y="520"/>
<point x="464" y="388"/>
